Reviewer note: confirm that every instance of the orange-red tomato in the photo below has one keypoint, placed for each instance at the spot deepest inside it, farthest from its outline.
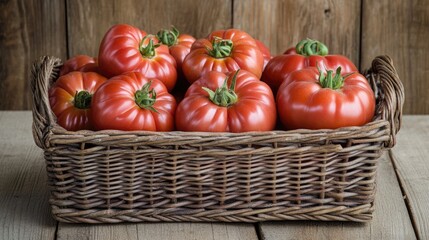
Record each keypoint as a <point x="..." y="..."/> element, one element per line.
<point x="70" y="99"/>
<point x="125" y="48"/>
<point x="291" y="50"/>
<point x="223" y="51"/>
<point x="219" y="102"/>
<point x="133" y="102"/>
<point x="312" y="99"/>
<point x="179" y="45"/>
<point x="81" y="63"/>
<point x="308" y="53"/>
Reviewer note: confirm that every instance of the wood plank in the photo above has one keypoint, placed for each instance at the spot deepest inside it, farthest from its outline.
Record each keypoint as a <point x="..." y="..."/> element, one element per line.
<point x="158" y="231"/>
<point x="29" y="29"/>
<point x="411" y="160"/>
<point x="400" y="29"/>
<point x="391" y="219"/>
<point x="283" y="23"/>
<point x="25" y="212"/>
<point x="89" y="20"/>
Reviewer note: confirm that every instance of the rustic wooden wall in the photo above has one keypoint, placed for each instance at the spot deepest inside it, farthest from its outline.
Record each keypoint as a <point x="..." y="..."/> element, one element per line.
<point x="400" y="29"/>
<point x="283" y="23"/>
<point x="28" y="29"/>
<point x="359" y="29"/>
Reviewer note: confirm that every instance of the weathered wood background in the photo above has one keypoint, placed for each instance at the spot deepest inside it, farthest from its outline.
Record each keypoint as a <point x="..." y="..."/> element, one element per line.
<point x="359" y="29"/>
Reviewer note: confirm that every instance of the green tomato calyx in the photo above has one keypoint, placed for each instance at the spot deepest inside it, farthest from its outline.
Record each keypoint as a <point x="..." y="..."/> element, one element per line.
<point x="148" y="51"/>
<point x="309" y="47"/>
<point x="331" y="81"/>
<point x="82" y="99"/>
<point x="168" y="37"/>
<point x="224" y="96"/>
<point x="146" y="98"/>
<point x="221" y="48"/>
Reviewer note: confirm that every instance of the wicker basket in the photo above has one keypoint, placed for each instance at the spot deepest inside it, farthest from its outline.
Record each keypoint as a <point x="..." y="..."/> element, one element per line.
<point x="118" y="176"/>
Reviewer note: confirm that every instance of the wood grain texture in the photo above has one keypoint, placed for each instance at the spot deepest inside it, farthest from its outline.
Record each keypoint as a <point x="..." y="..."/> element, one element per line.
<point x="28" y="29"/>
<point x="24" y="208"/>
<point x="391" y="220"/>
<point x="283" y="23"/>
<point x="411" y="160"/>
<point x="88" y="21"/>
<point x="400" y="29"/>
<point x="158" y="231"/>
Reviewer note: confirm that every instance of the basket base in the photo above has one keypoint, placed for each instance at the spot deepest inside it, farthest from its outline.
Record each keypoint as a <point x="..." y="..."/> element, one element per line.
<point x="362" y="213"/>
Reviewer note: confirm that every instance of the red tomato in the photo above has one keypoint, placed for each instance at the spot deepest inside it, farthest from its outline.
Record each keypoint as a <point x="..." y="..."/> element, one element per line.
<point x="211" y="106"/>
<point x="179" y="46"/>
<point x="265" y="51"/>
<point x="132" y="102"/>
<point x="125" y="48"/>
<point x="223" y="51"/>
<point x="310" y="53"/>
<point x="310" y="99"/>
<point x="70" y="99"/>
<point x="291" y="50"/>
<point x="81" y="63"/>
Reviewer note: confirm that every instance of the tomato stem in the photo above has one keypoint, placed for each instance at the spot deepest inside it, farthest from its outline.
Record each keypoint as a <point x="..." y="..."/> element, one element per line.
<point x="329" y="81"/>
<point x="146" y="98"/>
<point x="82" y="99"/>
<point x="221" y="48"/>
<point x="168" y="37"/>
<point x="224" y="96"/>
<point x="148" y="51"/>
<point x="309" y="47"/>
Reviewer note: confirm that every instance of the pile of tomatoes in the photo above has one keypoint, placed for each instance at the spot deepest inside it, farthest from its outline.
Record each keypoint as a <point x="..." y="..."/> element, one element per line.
<point x="226" y="82"/>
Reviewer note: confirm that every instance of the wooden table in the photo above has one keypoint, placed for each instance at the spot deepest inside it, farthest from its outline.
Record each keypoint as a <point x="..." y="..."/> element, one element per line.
<point x="402" y="200"/>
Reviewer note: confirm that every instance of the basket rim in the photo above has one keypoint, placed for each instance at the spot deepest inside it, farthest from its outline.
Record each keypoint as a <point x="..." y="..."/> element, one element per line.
<point x="57" y="129"/>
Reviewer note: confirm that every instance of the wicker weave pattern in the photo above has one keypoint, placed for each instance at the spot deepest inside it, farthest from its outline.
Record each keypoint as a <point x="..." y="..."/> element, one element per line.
<point x="116" y="176"/>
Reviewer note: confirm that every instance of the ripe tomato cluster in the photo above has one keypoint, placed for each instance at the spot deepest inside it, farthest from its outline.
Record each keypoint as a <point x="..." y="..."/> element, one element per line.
<point x="224" y="82"/>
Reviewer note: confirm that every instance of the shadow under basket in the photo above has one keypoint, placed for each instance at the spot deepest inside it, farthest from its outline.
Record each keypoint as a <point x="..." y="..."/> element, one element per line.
<point x="140" y="176"/>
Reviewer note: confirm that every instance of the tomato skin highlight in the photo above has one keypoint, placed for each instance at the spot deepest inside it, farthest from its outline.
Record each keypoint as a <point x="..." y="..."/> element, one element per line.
<point x="123" y="50"/>
<point x="115" y="105"/>
<point x="62" y="96"/>
<point x="244" y="54"/>
<point x="303" y="103"/>
<point x="254" y="110"/>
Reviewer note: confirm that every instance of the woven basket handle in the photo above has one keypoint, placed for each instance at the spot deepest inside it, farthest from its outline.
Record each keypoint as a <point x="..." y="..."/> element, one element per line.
<point x="43" y="72"/>
<point x="389" y="93"/>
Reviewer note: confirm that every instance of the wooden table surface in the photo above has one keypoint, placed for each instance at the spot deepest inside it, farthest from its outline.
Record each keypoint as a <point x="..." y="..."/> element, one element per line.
<point x="402" y="199"/>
